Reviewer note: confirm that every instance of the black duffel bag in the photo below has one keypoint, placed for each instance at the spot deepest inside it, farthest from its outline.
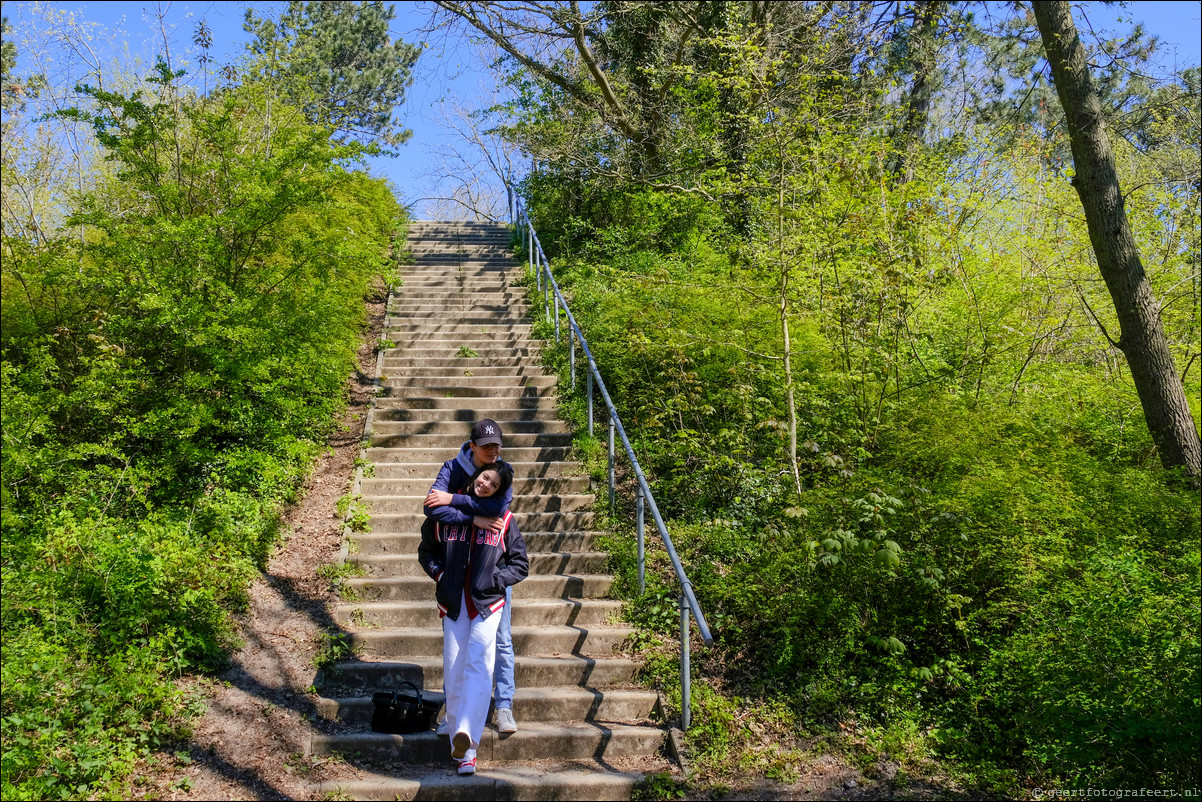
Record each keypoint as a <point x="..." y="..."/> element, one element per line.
<point x="402" y="711"/>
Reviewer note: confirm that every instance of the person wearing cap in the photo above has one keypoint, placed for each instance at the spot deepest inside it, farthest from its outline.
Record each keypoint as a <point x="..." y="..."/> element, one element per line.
<point x="449" y="507"/>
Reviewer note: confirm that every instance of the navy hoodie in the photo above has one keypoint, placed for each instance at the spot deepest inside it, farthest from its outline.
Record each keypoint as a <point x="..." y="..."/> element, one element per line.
<point x="455" y="473"/>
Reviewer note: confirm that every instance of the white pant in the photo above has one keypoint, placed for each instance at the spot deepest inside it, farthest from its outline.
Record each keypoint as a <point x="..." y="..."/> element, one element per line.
<point x="469" y="649"/>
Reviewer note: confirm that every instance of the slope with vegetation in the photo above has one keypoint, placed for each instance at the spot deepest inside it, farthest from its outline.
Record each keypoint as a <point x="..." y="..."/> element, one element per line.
<point x="178" y="327"/>
<point x="849" y="309"/>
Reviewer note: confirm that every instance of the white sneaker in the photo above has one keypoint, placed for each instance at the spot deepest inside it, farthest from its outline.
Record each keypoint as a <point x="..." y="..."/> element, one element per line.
<point x="443" y="727"/>
<point x="468" y="764"/>
<point x="505" y="722"/>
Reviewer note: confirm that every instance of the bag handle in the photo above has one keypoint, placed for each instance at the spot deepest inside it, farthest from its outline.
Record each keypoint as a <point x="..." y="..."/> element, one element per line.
<point x="416" y="690"/>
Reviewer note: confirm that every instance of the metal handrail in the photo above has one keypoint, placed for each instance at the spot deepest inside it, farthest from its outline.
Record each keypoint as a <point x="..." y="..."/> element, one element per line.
<point x="551" y="294"/>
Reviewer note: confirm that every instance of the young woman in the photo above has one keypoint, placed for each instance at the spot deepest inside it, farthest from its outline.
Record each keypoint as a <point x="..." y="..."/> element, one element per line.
<point x="473" y="567"/>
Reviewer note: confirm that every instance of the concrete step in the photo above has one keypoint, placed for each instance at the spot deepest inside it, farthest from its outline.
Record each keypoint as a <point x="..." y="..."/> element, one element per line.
<point x="522" y="486"/>
<point x="428" y="470"/>
<point x="394" y="359"/>
<point x="440" y="455"/>
<point x="466" y="241"/>
<point x="444" y="282"/>
<point x="478" y="328"/>
<point x="446" y="311"/>
<point x="521" y="505"/>
<point x="559" y="781"/>
<point x="418" y="356"/>
<point x="491" y="382"/>
<point x="530" y="612"/>
<point x="561" y="703"/>
<point x="442" y="346"/>
<point x="391" y="644"/>
<point x="449" y="390"/>
<point x="375" y="543"/>
<point x="528" y="672"/>
<point x="467" y="305"/>
<point x="549" y="563"/>
<point x="455" y="246"/>
<point x="427" y="244"/>
<point x="383" y="437"/>
<point x="467" y="417"/>
<point x="457" y="369"/>
<point x="465" y="270"/>
<point x="462" y="429"/>
<point x="416" y="588"/>
<point x="467" y="405"/>
<point x="446" y="346"/>
<point x="533" y="741"/>
<point x="451" y="266"/>
<point x="526" y="521"/>
<point x="460" y="239"/>
<point x="490" y="289"/>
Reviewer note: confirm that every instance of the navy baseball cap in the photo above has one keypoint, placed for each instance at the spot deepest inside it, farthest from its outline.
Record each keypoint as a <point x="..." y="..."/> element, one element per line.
<point x="485" y="432"/>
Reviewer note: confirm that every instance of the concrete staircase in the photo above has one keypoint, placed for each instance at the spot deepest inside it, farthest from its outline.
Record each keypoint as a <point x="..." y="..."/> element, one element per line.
<point x="584" y="728"/>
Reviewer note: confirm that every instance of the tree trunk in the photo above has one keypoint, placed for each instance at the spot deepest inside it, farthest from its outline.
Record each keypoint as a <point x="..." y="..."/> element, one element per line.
<point x="924" y="53"/>
<point x="784" y="320"/>
<point x="1142" y="340"/>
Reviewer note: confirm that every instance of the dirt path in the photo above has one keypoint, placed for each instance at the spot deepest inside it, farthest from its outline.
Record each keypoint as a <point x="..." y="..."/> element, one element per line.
<point x="250" y="743"/>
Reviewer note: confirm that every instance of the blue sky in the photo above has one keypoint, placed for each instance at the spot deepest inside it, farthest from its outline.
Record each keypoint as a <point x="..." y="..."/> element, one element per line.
<point x="447" y="67"/>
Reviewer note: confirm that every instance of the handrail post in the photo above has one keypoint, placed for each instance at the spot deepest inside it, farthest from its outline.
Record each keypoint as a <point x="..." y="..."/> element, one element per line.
<point x="686" y="713"/>
<point x="590" y="401"/>
<point x="555" y="298"/>
<point x="572" y="357"/>
<point x="611" y="463"/>
<point x="639" y="504"/>
<point x="547" y="293"/>
<point x="530" y="251"/>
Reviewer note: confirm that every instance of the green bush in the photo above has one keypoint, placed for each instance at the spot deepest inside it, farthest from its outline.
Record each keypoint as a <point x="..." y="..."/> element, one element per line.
<point x="992" y="570"/>
<point x="157" y="415"/>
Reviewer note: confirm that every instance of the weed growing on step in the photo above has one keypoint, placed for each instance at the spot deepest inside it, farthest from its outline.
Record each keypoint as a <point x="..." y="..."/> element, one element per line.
<point x="658" y="787"/>
<point x="359" y="619"/>
<point x="334" y="648"/>
<point x="465" y="352"/>
<point x="355" y="514"/>
<point x="335" y="573"/>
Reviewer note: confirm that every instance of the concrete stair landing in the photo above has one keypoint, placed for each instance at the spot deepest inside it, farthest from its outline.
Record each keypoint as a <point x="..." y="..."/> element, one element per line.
<point x="463" y="351"/>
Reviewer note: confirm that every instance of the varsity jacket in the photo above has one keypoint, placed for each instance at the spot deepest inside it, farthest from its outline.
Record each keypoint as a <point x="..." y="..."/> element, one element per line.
<point x="456" y="473"/>
<point x="498" y="560"/>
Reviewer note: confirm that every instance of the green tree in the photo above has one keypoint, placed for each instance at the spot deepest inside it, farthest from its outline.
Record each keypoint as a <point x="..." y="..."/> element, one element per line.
<point x="1141" y="339"/>
<point x="335" y="60"/>
<point x="14" y="92"/>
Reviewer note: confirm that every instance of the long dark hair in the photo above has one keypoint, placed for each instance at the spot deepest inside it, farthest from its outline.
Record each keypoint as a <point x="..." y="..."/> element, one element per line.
<point x="504" y="477"/>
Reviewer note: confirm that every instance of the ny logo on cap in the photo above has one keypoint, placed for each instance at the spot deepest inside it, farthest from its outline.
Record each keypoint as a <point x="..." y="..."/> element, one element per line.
<point x="489" y="430"/>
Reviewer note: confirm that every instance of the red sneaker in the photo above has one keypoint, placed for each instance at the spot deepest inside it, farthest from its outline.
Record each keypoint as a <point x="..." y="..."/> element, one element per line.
<point x="468" y="766"/>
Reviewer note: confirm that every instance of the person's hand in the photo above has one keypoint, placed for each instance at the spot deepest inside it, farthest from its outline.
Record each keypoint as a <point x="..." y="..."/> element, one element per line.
<point x="438" y="498"/>
<point x="491" y="524"/>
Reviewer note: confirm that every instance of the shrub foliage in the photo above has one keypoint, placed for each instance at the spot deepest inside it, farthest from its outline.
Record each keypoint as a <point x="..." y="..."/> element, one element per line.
<point x="171" y="361"/>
